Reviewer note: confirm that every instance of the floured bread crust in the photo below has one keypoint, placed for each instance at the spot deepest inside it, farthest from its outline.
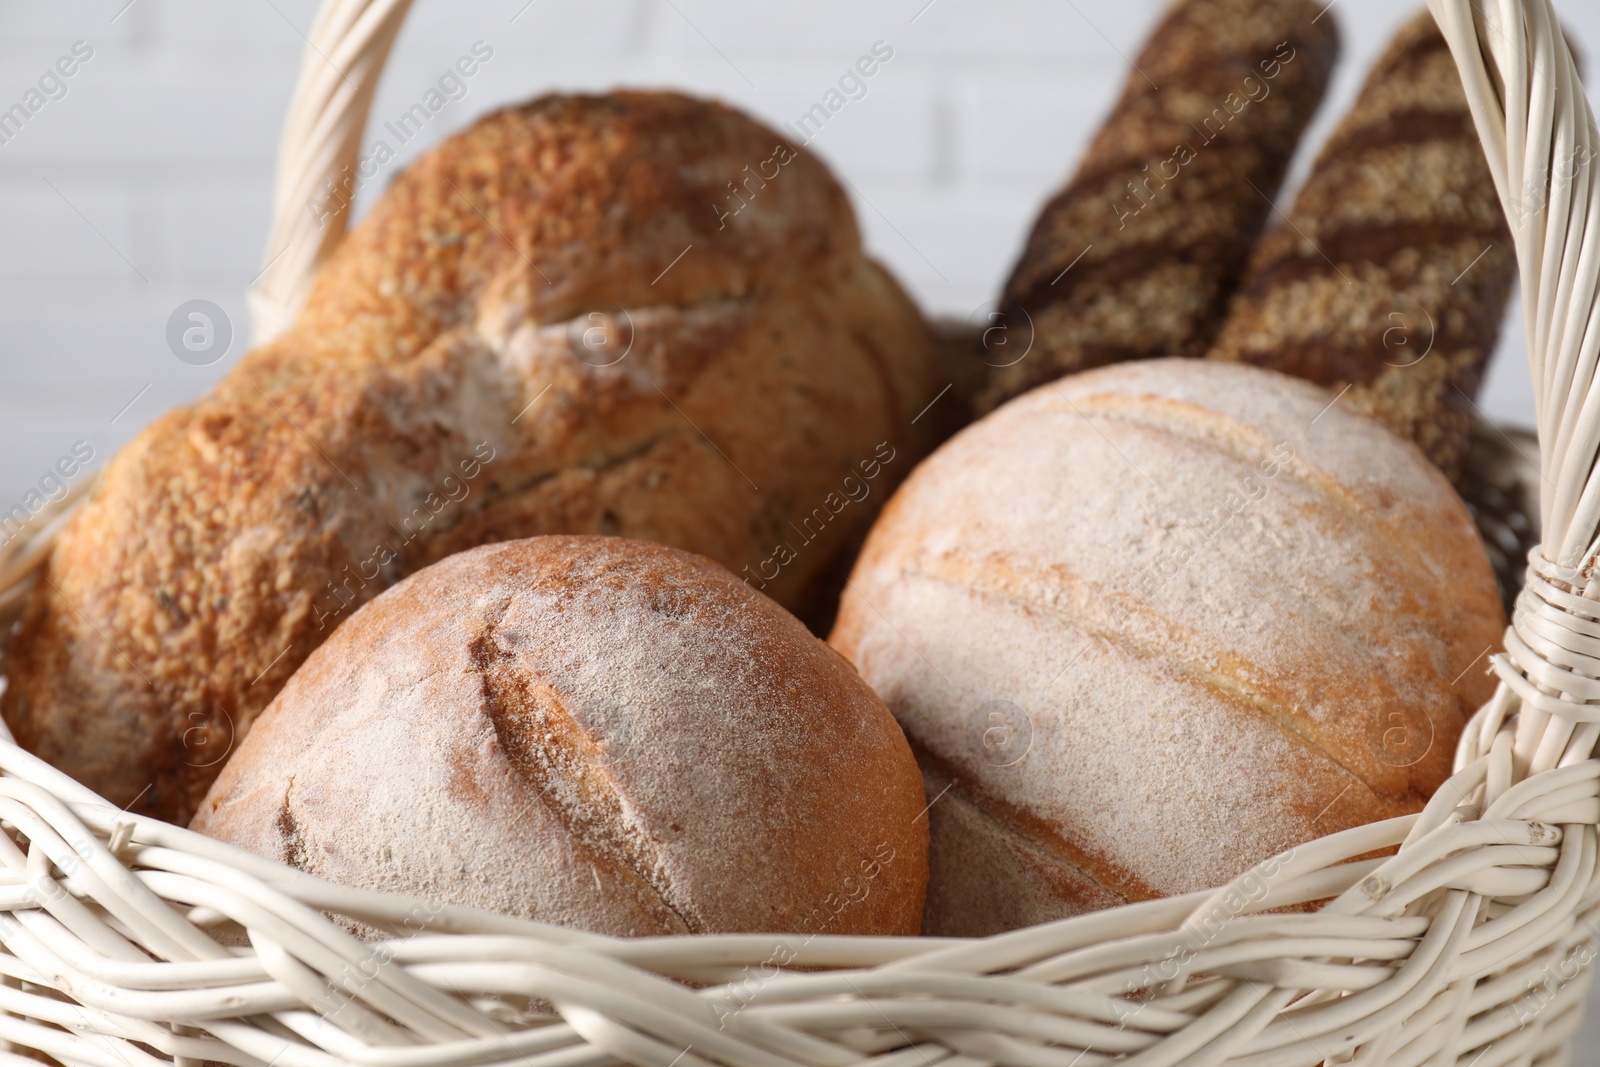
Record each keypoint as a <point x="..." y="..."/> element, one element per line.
<point x="458" y="377"/>
<point x="1157" y="622"/>
<point x="594" y="732"/>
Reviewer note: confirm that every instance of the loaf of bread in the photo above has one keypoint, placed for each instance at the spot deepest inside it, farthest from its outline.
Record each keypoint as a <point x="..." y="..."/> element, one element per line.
<point x="1157" y="622"/>
<point x="1138" y="255"/>
<point x="560" y="321"/>
<point x="1388" y="279"/>
<point x="589" y="731"/>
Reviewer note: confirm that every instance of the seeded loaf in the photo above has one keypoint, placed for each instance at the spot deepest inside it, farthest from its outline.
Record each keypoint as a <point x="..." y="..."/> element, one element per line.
<point x="1137" y="256"/>
<point x="1388" y="278"/>
<point x="549" y="324"/>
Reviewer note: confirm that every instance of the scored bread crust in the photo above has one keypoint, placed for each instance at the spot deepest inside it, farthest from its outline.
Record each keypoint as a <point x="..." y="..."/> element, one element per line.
<point x="769" y="357"/>
<point x="1201" y="613"/>
<point x="594" y="732"/>
<point x="1388" y="278"/>
<point x="1138" y="255"/>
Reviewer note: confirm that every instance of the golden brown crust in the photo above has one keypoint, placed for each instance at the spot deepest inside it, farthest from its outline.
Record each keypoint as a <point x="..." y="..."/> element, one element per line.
<point x="594" y="732"/>
<point x="1157" y="622"/>
<point x="436" y="394"/>
<point x="1138" y="255"/>
<point x="1391" y="273"/>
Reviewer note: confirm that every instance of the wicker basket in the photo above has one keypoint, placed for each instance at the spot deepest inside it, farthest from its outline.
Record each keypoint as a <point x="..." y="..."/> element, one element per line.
<point x="128" y="942"/>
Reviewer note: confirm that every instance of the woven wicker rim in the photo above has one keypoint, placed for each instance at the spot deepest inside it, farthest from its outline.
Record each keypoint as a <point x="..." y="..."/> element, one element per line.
<point x="128" y="942"/>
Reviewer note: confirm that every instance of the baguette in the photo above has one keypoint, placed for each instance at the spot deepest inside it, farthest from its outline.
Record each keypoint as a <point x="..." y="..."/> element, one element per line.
<point x="1138" y="255"/>
<point x="1388" y="279"/>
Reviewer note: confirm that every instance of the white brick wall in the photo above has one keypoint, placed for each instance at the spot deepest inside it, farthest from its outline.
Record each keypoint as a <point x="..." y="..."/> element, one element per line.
<point x="160" y="154"/>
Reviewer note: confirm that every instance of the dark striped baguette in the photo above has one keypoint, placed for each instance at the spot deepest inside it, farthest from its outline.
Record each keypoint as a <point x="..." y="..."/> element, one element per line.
<point x="1138" y="255"/>
<point x="1388" y="279"/>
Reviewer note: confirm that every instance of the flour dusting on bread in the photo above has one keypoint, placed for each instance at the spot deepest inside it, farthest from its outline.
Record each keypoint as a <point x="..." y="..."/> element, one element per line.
<point x="1232" y="614"/>
<point x="588" y="731"/>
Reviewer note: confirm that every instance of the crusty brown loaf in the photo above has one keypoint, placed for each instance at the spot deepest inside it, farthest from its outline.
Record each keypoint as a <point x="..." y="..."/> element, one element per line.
<point x="1157" y="223"/>
<point x="594" y="732"/>
<point x="1390" y="274"/>
<point x="1156" y="622"/>
<point x="432" y="397"/>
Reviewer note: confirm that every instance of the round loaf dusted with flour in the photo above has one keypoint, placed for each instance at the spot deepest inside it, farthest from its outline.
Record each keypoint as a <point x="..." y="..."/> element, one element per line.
<point x="594" y="732"/>
<point x="1151" y="624"/>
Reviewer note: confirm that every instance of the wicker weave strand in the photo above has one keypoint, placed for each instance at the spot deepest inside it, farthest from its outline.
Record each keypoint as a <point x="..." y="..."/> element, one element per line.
<point x="126" y="942"/>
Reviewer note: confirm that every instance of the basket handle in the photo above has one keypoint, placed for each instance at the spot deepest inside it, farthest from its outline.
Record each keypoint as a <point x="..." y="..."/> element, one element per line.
<point x="319" y="151"/>
<point x="1540" y="139"/>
